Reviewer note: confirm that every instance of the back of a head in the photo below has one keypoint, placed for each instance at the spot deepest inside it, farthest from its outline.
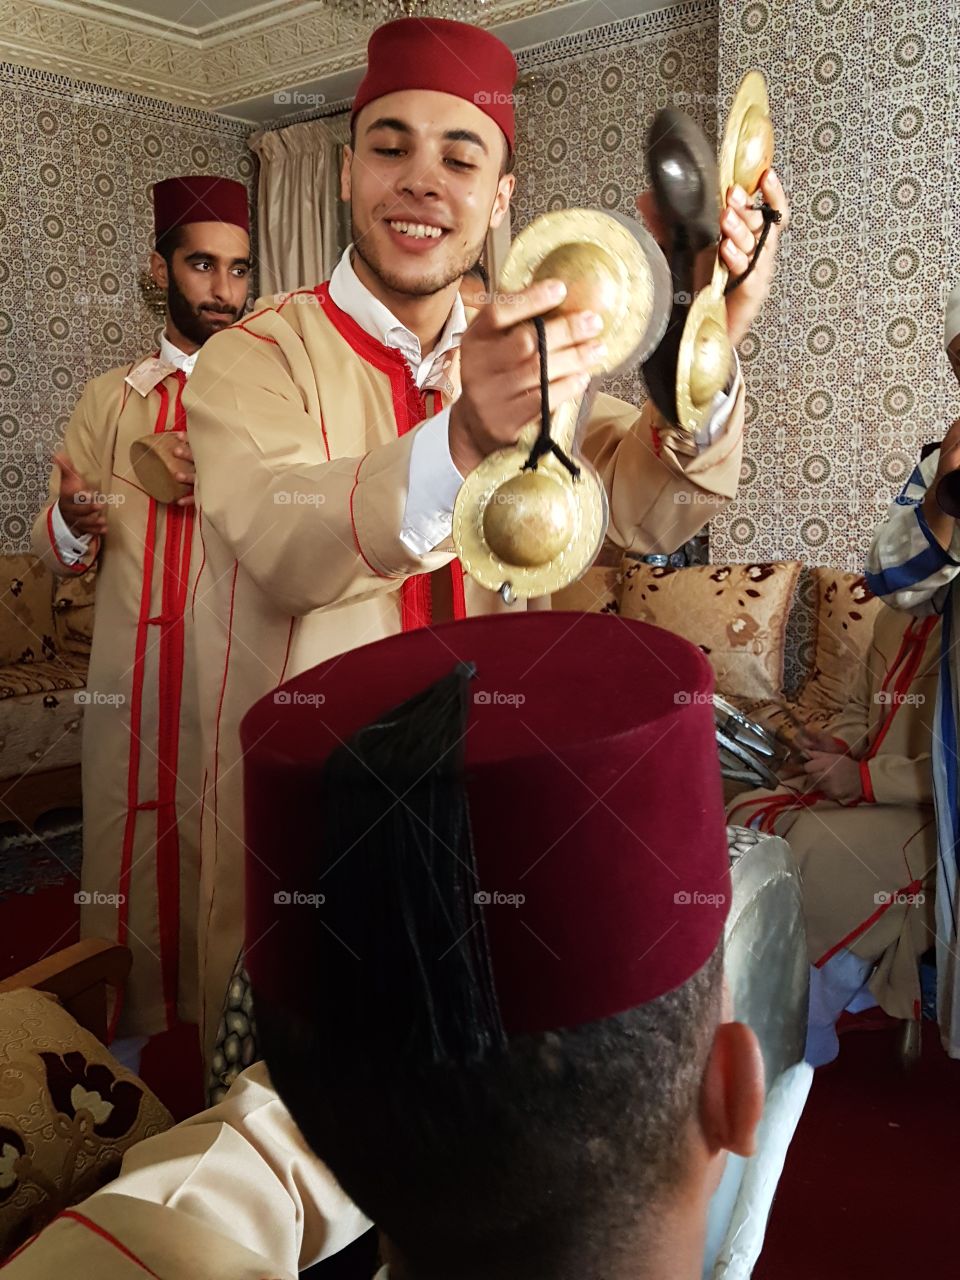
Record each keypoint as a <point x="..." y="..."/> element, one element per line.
<point x="506" y="994"/>
<point x="537" y="1161"/>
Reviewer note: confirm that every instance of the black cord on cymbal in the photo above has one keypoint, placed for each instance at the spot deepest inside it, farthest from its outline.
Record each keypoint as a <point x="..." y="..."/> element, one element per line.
<point x="544" y="442"/>
<point x="770" y="216"/>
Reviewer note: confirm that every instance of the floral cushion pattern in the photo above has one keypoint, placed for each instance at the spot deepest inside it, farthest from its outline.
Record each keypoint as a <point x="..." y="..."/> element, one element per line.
<point x="598" y="591"/>
<point x="73" y="600"/>
<point x="68" y="1112"/>
<point x="846" y="613"/>
<point x="737" y="614"/>
<point x="40" y="715"/>
<point x="27" y="631"/>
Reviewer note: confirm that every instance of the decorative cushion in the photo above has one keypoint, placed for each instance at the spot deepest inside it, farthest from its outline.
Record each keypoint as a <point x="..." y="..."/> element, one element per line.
<point x="73" y="601"/>
<point x="737" y="614"/>
<point x="846" y="613"/>
<point x="68" y="1112"/>
<point x="40" y="715"/>
<point x="26" y="610"/>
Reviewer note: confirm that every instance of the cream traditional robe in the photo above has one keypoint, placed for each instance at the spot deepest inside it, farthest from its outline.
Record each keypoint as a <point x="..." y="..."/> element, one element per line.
<point x="231" y="1194"/>
<point x="140" y="758"/>
<point x="302" y="427"/>
<point x="868" y="869"/>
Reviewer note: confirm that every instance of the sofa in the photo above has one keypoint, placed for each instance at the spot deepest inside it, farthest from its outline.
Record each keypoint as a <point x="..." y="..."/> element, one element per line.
<point x="46" y="625"/>
<point x="785" y="641"/>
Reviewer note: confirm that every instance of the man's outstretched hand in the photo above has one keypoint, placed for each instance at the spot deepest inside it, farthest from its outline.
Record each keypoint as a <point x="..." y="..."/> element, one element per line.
<point x="81" y="506"/>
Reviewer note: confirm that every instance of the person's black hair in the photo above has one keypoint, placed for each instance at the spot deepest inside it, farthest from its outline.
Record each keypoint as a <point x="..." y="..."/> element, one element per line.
<point x="531" y="1162"/>
<point x="168" y="243"/>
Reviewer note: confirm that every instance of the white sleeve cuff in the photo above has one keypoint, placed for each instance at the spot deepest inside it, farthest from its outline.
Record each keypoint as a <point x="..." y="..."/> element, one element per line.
<point x="432" y="487"/>
<point x="71" y="549"/>
<point x="723" y="403"/>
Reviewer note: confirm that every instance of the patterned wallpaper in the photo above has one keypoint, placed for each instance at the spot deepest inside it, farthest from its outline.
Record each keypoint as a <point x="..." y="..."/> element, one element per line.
<point x="76" y="164"/>
<point x="582" y="121"/>
<point x="846" y="372"/>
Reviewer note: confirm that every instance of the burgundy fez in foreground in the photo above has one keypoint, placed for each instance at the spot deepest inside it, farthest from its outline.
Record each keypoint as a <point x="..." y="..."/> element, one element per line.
<point x="198" y="198"/>
<point x="594" y="872"/>
<point x="448" y="57"/>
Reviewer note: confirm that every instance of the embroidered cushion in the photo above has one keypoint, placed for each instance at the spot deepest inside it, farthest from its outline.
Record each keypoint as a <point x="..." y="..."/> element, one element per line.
<point x="68" y="1112"/>
<point x="736" y="613"/>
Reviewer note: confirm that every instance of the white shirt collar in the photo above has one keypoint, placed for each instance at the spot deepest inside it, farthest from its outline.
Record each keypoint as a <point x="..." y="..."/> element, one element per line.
<point x="173" y="356"/>
<point x="352" y="296"/>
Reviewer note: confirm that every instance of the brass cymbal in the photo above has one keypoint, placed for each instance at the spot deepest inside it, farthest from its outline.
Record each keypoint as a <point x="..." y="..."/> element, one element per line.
<point x="611" y="264"/>
<point x="747" y="148"/>
<point x="705" y="360"/>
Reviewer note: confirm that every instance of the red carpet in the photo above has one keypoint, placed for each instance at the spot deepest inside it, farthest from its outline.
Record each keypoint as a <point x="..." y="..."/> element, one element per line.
<point x="869" y="1188"/>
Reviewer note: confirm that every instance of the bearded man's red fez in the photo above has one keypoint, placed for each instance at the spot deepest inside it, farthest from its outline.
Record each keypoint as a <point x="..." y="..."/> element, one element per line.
<point x="199" y="198"/>
<point x="449" y="57"/>
<point x="588" y="869"/>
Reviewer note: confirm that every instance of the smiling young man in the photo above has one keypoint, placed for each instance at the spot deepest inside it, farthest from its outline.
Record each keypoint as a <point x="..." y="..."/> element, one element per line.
<point x="140" y="741"/>
<point x="335" y="425"/>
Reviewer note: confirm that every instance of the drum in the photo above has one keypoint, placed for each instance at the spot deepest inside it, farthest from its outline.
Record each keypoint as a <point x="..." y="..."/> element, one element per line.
<point x="749" y="753"/>
<point x="767" y="971"/>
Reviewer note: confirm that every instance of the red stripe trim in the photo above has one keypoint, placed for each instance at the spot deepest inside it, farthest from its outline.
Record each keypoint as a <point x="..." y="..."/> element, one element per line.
<point x="913" y="887"/>
<point x="109" y="1237"/>
<point x="866" y="782"/>
<point x="79" y="567"/>
<point x="216" y="777"/>
<point x="203" y="561"/>
<point x="253" y="334"/>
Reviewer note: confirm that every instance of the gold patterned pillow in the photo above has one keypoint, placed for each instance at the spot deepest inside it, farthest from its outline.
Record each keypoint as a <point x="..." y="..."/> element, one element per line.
<point x="846" y="613"/>
<point x="736" y="613"/>
<point x="26" y="611"/>
<point x="68" y="1112"/>
<point x="73" y="602"/>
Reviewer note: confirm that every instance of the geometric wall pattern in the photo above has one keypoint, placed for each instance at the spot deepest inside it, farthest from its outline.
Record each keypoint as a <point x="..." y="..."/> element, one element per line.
<point x="76" y="166"/>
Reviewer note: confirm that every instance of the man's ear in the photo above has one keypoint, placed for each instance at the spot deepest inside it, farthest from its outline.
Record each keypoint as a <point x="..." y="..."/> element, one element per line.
<point x="159" y="270"/>
<point x="732" y="1092"/>
<point x="501" y="202"/>
<point x="345" y="173"/>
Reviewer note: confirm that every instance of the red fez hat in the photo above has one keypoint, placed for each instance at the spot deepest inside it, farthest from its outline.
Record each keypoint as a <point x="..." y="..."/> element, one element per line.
<point x="199" y="198"/>
<point x="450" y="57"/>
<point x="595" y="811"/>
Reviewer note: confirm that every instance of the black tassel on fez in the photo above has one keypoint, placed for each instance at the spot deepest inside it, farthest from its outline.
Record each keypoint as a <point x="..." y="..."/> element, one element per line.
<point x="406" y="970"/>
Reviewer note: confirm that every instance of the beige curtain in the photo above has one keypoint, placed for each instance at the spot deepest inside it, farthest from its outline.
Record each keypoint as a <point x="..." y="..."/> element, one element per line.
<point x="302" y="225"/>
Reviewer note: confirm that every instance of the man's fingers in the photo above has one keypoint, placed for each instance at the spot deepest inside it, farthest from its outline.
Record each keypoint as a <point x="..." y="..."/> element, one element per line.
<point x="509" y="309"/>
<point x="187" y="501"/>
<point x="528" y="402"/>
<point x="733" y="258"/>
<point x="736" y="229"/>
<point x="775" y="196"/>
